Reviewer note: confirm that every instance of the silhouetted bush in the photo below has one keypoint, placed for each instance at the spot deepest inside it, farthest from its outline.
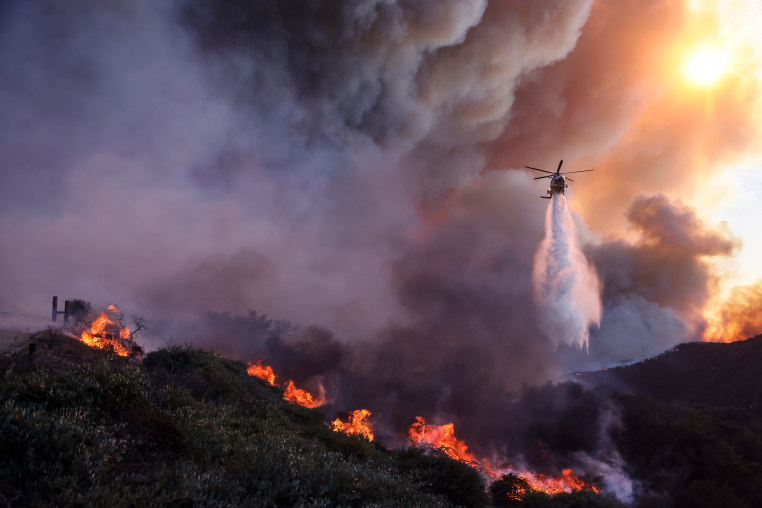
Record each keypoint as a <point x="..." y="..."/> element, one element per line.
<point x="509" y="490"/>
<point x="439" y="474"/>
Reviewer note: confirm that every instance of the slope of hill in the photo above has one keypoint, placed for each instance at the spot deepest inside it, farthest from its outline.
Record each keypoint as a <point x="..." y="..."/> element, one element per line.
<point x="724" y="375"/>
<point x="186" y="427"/>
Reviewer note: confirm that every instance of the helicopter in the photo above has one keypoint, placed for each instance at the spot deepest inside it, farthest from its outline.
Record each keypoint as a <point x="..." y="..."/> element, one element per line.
<point x="558" y="181"/>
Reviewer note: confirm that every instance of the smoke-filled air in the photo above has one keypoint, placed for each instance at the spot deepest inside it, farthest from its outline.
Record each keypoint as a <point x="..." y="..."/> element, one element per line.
<point x="337" y="191"/>
<point x="566" y="288"/>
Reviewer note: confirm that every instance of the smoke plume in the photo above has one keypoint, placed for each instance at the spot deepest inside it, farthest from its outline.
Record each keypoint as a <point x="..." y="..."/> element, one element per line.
<point x="566" y="288"/>
<point x="739" y="316"/>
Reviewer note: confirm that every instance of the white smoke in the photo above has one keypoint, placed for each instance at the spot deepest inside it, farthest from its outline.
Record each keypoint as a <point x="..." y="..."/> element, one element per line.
<point x="566" y="288"/>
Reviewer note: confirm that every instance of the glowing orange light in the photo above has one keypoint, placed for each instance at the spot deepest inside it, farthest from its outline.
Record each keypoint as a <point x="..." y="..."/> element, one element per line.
<point x="106" y="332"/>
<point x="706" y="65"/>
<point x="262" y="371"/>
<point x="443" y="438"/>
<point x="357" y="425"/>
<point x="440" y="437"/>
<point x="291" y="393"/>
<point x="302" y="397"/>
<point x="567" y="481"/>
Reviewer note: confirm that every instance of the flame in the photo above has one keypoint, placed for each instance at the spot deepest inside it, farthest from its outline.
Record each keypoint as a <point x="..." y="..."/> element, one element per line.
<point x="262" y="371"/>
<point x="302" y="397"/>
<point x="567" y="481"/>
<point x="442" y="438"/>
<point x="291" y="393"/>
<point x="106" y="332"/>
<point x="357" y="425"/>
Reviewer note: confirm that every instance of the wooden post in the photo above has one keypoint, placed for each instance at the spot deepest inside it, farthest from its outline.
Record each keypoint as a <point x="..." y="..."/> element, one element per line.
<point x="66" y="311"/>
<point x="54" y="315"/>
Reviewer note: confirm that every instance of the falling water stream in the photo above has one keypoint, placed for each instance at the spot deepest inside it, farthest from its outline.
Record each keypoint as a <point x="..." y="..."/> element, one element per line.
<point x="566" y="287"/>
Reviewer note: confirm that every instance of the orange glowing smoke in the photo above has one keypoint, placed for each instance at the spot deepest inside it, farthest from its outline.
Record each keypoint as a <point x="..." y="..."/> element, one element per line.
<point x="262" y="371"/>
<point x="290" y="392"/>
<point x="739" y="317"/>
<point x="107" y="332"/>
<point x="440" y="437"/>
<point x="357" y="425"/>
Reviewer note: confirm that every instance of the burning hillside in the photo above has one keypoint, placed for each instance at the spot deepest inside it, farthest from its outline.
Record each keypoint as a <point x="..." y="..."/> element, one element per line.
<point x="439" y="438"/>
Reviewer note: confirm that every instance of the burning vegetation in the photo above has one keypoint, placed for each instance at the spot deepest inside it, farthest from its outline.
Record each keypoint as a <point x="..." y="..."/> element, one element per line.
<point x="442" y="438"/>
<point x="262" y="371"/>
<point x="356" y="425"/>
<point x="290" y="392"/>
<point x="107" y="332"/>
<point x="421" y="434"/>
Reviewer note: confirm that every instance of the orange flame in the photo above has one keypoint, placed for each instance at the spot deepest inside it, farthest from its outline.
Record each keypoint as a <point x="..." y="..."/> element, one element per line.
<point x="262" y="371"/>
<point x="291" y="393"/>
<point x="440" y="437"/>
<point x="302" y="397"/>
<point x="106" y="332"/>
<point x="443" y="438"/>
<point x="567" y="481"/>
<point x="357" y="425"/>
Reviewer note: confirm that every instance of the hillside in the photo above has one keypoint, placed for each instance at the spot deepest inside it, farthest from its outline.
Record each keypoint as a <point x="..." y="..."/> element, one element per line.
<point x="185" y="427"/>
<point x="724" y="375"/>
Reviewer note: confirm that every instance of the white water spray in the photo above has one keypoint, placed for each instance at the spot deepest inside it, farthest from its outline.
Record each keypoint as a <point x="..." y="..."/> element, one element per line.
<point x="566" y="288"/>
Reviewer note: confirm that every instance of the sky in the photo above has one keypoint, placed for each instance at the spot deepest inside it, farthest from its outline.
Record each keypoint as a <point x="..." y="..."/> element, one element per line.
<point x="356" y="168"/>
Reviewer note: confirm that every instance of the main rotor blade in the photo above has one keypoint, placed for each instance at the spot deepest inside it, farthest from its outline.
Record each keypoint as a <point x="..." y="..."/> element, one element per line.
<point x="559" y="166"/>
<point x="540" y="177"/>
<point x="569" y="179"/>
<point x="583" y="171"/>
<point x="538" y="169"/>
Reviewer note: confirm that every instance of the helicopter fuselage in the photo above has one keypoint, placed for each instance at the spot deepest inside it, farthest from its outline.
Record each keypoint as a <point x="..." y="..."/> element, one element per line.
<point x="558" y="185"/>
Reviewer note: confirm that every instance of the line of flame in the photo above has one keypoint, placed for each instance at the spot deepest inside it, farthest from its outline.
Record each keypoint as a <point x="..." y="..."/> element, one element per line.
<point x="290" y="392"/>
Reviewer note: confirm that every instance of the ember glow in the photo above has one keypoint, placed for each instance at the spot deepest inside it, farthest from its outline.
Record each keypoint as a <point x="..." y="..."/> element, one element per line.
<point x="357" y="425"/>
<point x="567" y="481"/>
<point x="290" y="392"/>
<point x="106" y="332"/>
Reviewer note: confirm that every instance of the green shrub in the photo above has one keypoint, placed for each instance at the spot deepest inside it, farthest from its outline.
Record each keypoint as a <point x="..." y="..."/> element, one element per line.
<point x="186" y="428"/>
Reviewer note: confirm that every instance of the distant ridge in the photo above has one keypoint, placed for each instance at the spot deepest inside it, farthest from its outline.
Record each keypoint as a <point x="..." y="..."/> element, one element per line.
<point x="712" y="373"/>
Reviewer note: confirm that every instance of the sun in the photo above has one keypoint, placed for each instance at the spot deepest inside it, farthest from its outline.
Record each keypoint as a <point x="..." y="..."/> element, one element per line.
<point x="705" y="66"/>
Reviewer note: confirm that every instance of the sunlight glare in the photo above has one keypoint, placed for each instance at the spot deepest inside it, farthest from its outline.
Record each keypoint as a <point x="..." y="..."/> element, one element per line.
<point x="705" y="66"/>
